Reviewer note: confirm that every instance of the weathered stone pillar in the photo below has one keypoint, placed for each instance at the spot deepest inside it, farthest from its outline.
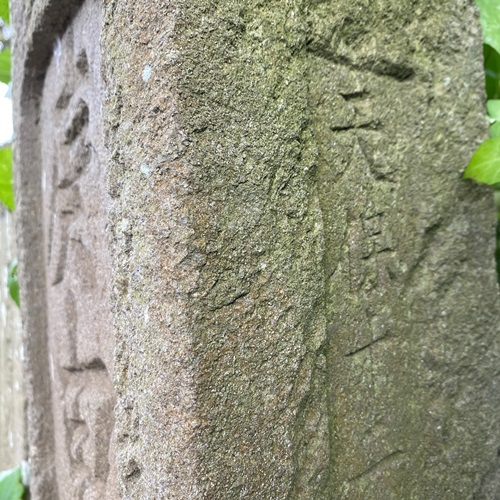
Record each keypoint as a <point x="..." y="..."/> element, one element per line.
<point x="12" y="403"/>
<point x="250" y="267"/>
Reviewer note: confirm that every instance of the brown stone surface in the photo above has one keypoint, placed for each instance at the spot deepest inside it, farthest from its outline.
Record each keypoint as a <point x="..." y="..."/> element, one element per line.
<point x="302" y="287"/>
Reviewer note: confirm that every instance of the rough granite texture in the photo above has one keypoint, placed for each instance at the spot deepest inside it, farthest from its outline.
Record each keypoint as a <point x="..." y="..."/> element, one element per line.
<point x="303" y="288"/>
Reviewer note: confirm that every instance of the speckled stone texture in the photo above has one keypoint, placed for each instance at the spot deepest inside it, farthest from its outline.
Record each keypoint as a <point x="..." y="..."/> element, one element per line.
<point x="302" y="287"/>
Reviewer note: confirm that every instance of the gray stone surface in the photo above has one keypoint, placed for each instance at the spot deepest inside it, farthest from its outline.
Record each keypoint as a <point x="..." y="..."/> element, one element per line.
<point x="75" y="202"/>
<point x="411" y="300"/>
<point x="12" y="402"/>
<point x="71" y="320"/>
<point x="303" y="291"/>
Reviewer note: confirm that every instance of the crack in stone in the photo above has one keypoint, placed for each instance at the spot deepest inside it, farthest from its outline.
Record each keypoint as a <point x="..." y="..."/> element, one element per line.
<point x="377" y="464"/>
<point x="366" y="346"/>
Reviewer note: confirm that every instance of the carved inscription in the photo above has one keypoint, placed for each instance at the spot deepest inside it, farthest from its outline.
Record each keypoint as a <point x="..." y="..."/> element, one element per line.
<point x="78" y="263"/>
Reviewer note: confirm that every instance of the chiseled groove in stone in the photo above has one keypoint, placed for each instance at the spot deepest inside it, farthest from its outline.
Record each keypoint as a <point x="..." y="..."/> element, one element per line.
<point x="36" y="27"/>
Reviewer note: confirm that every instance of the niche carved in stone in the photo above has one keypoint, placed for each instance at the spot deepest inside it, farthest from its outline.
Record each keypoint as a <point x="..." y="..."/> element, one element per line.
<point x="75" y="201"/>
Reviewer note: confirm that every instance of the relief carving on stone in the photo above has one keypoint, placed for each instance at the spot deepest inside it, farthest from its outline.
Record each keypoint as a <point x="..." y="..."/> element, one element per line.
<point x="80" y="330"/>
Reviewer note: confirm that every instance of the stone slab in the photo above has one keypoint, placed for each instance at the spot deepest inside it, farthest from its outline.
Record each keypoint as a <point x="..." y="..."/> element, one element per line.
<point x="302" y="288"/>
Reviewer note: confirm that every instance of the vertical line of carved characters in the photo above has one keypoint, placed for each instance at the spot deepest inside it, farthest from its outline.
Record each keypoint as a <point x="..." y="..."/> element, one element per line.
<point x="62" y="103"/>
<point x="75" y="242"/>
<point x="359" y="165"/>
<point x="73" y="155"/>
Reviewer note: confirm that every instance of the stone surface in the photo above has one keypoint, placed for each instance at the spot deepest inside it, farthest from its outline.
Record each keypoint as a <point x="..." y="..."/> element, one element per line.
<point x="303" y="293"/>
<point x="80" y="333"/>
<point x="410" y="298"/>
<point x="12" y="402"/>
<point x="75" y="310"/>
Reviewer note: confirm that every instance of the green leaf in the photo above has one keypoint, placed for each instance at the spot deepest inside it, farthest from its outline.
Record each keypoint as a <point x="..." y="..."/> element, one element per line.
<point x="13" y="283"/>
<point x="490" y="21"/>
<point x="485" y="164"/>
<point x="492" y="72"/>
<point x="5" y="66"/>
<point x="6" y="184"/>
<point x="493" y="107"/>
<point x="11" y="486"/>
<point x="495" y="129"/>
<point x="4" y="11"/>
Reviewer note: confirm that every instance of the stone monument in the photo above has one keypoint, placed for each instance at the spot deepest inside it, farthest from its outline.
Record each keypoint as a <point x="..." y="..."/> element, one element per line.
<point x="249" y="265"/>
